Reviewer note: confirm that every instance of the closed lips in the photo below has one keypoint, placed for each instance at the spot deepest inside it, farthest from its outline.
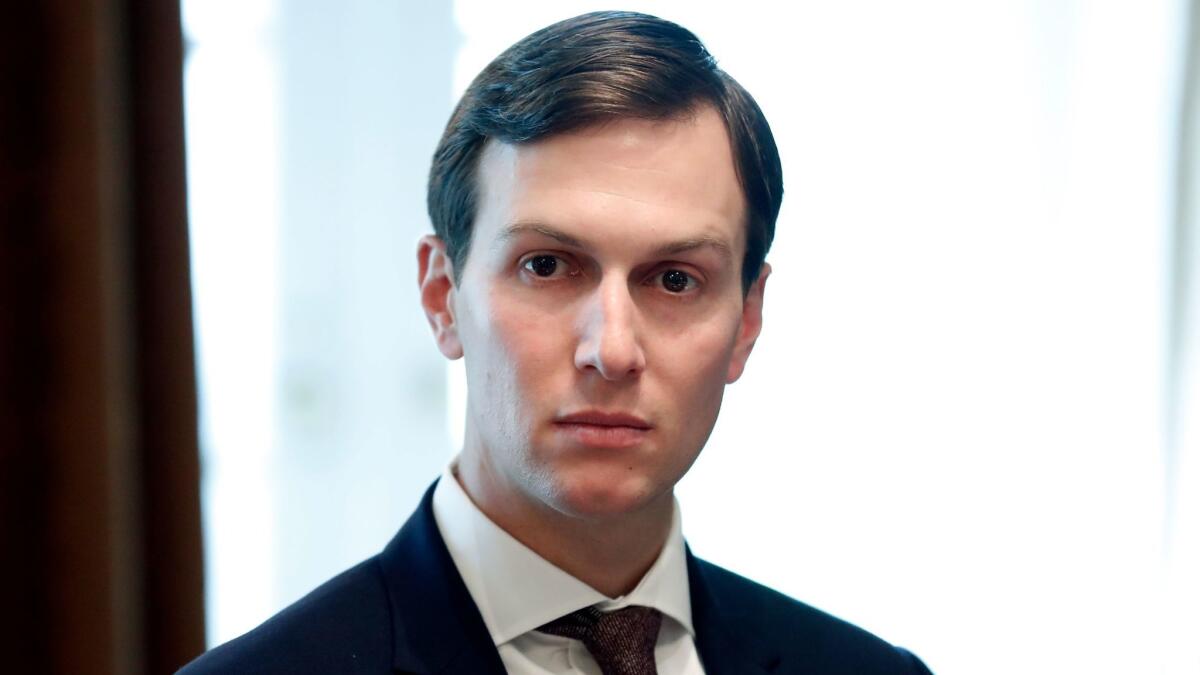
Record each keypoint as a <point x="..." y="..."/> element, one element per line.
<point x="603" y="419"/>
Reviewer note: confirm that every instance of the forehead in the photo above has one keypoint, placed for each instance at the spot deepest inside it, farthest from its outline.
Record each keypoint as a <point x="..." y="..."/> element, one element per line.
<point x="643" y="181"/>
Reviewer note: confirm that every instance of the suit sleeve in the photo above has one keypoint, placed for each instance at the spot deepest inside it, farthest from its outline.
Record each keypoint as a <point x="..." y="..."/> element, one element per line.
<point x="915" y="665"/>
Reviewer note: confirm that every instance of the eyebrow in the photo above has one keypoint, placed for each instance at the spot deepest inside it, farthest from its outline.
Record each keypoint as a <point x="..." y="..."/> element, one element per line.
<point x="517" y="229"/>
<point x="672" y="248"/>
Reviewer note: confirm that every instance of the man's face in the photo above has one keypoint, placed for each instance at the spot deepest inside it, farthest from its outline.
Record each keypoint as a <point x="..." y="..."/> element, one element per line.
<point x="600" y="311"/>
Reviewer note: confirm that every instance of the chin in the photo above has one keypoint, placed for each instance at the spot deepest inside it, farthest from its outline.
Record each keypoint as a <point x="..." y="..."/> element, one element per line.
<point x="604" y="493"/>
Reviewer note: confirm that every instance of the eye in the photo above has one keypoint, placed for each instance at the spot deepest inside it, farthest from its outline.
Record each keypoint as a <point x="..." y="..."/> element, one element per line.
<point x="546" y="266"/>
<point x="677" y="281"/>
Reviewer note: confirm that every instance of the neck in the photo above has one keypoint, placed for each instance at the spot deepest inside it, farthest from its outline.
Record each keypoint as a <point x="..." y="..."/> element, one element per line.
<point x="610" y="553"/>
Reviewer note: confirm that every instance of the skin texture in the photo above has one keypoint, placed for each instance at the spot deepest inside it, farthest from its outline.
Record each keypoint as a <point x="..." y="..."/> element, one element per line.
<point x="572" y="301"/>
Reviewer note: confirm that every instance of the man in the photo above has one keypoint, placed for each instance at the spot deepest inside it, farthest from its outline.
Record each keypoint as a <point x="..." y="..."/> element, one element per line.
<point x="603" y="200"/>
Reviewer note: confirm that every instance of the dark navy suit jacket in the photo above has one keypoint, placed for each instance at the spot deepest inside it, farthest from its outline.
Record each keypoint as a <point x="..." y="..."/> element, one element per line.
<point x="407" y="610"/>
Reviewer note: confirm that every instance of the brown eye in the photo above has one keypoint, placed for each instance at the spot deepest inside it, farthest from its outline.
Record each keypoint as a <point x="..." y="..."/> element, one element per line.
<point x="542" y="265"/>
<point x="676" y="281"/>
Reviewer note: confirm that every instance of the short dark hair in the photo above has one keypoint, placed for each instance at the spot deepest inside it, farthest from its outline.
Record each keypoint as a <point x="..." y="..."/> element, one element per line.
<point x="587" y="70"/>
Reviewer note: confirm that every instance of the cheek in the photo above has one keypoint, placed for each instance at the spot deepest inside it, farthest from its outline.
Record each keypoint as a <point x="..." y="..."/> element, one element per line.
<point x="707" y="345"/>
<point x="524" y="348"/>
<point x="694" y="364"/>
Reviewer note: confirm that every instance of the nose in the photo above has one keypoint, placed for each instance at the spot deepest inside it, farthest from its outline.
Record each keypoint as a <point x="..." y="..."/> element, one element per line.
<point x="609" y="343"/>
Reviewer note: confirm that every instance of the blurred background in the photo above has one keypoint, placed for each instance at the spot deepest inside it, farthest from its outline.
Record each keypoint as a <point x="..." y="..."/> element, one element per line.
<point x="971" y="426"/>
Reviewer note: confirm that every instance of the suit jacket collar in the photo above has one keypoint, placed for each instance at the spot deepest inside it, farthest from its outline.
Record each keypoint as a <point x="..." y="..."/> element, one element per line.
<point x="728" y="643"/>
<point x="437" y="630"/>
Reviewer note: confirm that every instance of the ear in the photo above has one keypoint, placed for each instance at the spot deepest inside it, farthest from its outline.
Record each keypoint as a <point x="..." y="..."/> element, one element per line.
<point x="435" y="278"/>
<point x="750" y="327"/>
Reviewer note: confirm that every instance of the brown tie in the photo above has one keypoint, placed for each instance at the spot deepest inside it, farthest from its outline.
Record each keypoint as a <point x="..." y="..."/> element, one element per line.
<point x="622" y="642"/>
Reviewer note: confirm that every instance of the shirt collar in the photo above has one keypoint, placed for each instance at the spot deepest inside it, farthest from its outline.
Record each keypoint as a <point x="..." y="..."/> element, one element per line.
<point x="516" y="590"/>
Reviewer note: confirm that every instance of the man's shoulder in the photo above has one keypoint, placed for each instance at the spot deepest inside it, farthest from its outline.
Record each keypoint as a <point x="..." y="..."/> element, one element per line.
<point x="800" y="633"/>
<point x="342" y="626"/>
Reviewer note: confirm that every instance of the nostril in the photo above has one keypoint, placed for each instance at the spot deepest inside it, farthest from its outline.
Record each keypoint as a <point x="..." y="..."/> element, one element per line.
<point x="611" y="361"/>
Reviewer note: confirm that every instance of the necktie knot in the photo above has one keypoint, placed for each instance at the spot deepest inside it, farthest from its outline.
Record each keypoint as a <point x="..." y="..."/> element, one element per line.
<point x="622" y="642"/>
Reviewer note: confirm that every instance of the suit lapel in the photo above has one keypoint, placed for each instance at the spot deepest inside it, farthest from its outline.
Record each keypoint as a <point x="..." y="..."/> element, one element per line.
<point x="436" y="628"/>
<point x="727" y="644"/>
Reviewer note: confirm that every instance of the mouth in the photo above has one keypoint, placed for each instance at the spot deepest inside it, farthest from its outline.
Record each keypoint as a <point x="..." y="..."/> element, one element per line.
<point x="601" y="429"/>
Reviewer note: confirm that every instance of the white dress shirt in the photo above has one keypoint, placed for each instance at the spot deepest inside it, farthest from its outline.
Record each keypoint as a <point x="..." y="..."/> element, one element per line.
<point x="516" y="590"/>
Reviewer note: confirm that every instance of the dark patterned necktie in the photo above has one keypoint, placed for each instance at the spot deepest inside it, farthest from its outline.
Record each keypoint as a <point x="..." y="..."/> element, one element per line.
<point x="622" y="642"/>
